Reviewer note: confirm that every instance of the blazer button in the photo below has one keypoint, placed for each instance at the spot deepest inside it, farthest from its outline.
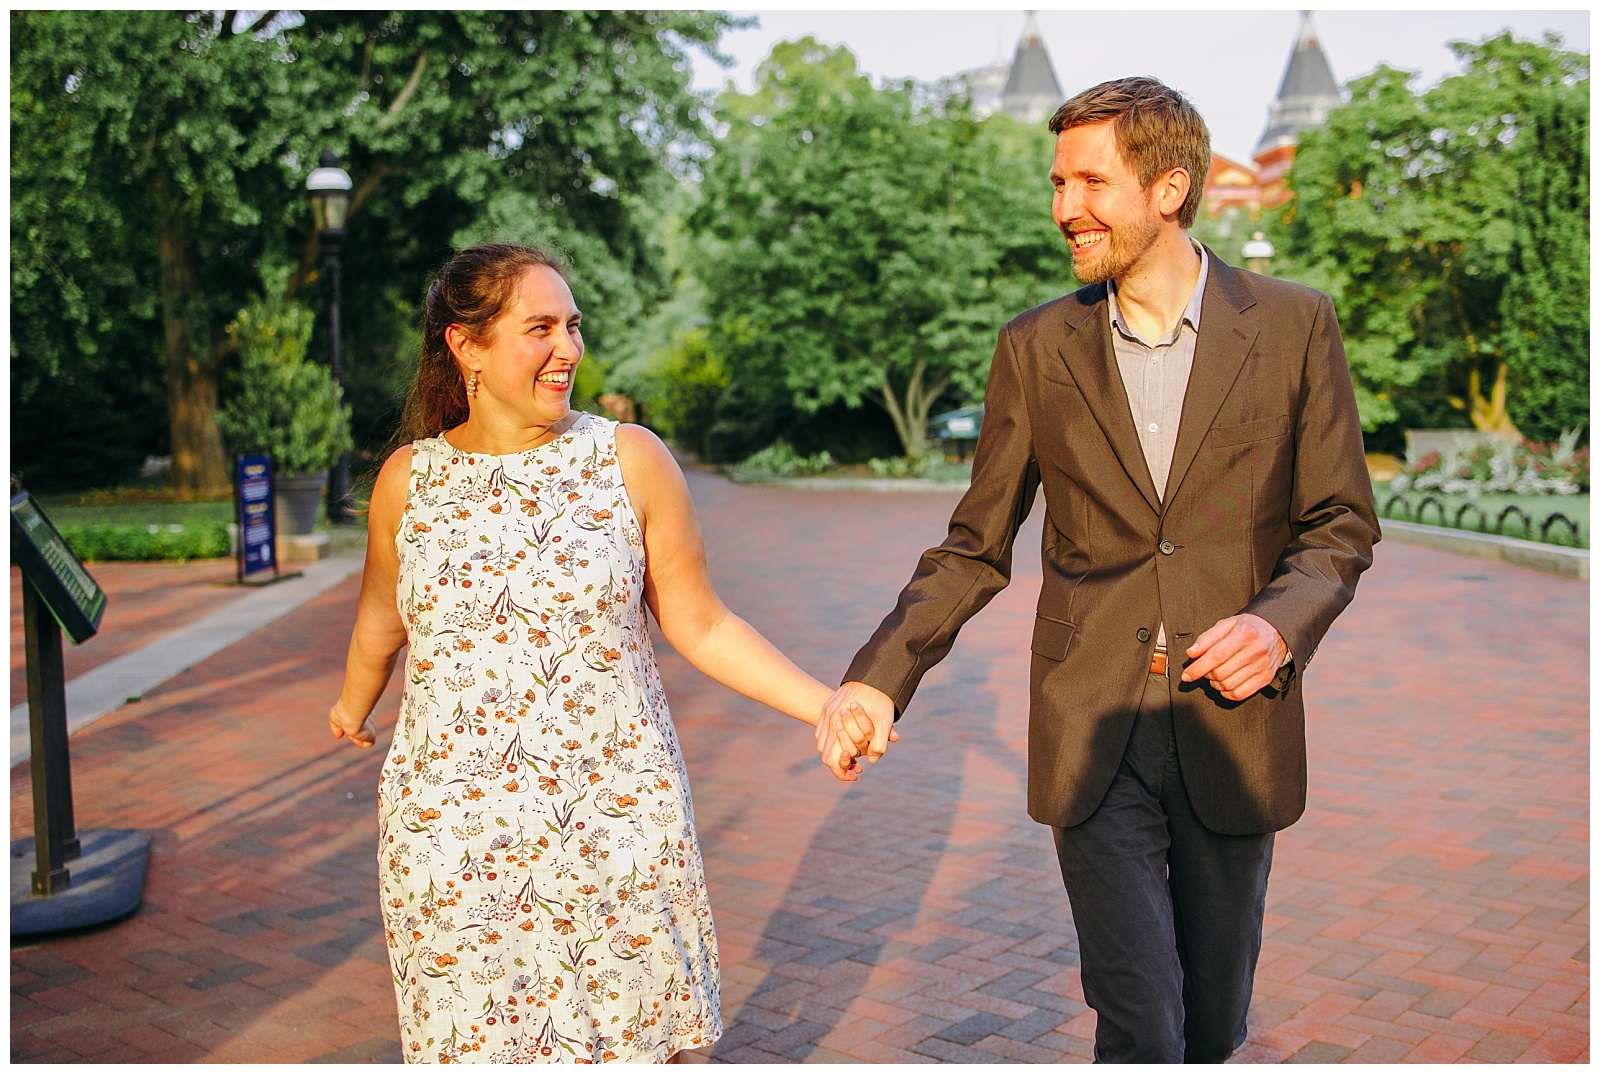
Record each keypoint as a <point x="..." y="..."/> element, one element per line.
<point x="1144" y="634"/>
<point x="1167" y="548"/>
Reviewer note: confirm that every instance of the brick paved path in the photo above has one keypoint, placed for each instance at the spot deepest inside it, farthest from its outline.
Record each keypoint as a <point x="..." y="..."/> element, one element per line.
<point x="143" y="601"/>
<point x="1432" y="904"/>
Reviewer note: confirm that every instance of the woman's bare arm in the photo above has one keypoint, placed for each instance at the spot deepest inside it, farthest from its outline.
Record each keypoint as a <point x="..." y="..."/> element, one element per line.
<point x="679" y="592"/>
<point x="379" y="634"/>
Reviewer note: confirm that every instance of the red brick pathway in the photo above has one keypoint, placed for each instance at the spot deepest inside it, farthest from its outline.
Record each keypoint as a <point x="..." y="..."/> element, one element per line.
<point x="1431" y="906"/>
<point x="143" y="601"/>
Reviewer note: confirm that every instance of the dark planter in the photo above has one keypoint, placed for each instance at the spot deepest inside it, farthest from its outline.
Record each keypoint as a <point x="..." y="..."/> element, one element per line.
<point x="298" y="497"/>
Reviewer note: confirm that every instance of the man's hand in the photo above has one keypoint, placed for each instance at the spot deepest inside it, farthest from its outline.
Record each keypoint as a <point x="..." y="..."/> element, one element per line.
<point x="854" y="699"/>
<point x="363" y="732"/>
<point x="1239" y="655"/>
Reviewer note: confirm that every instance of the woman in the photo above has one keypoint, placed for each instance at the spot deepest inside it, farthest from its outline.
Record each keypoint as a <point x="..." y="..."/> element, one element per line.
<point x="543" y="893"/>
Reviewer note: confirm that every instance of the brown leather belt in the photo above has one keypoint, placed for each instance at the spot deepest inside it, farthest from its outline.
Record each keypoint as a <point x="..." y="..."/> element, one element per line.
<point x="1158" y="662"/>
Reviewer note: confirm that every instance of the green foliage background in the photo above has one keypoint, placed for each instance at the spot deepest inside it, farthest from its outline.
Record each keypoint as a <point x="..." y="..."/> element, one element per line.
<point x="1408" y="205"/>
<point x="822" y="261"/>
<point x="158" y="171"/>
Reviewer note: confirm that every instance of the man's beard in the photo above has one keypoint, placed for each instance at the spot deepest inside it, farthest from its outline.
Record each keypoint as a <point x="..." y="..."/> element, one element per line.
<point x="1123" y="247"/>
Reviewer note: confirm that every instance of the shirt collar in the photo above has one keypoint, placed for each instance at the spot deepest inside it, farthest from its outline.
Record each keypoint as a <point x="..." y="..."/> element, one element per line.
<point x="1191" y="312"/>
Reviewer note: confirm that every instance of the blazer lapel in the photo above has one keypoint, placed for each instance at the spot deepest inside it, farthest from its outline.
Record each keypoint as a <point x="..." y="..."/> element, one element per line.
<point x="1088" y="356"/>
<point x="1227" y="333"/>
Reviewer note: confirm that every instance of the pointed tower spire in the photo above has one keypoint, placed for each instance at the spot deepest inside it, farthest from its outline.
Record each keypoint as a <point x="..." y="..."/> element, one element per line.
<point x="1032" y="91"/>
<point x="1306" y="94"/>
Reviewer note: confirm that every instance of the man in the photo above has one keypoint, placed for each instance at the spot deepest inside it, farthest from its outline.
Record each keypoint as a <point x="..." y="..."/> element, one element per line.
<point x="1208" y="512"/>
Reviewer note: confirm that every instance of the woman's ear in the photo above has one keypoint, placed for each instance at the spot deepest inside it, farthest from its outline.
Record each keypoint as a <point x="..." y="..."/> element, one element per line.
<point x="461" y="346"/>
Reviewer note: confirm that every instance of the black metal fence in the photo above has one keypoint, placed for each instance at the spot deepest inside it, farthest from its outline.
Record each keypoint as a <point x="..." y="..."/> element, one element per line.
<point x="1509" y="521"/>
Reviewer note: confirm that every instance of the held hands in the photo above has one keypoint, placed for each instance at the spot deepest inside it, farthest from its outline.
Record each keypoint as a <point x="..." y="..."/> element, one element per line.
<point x="360" y="730"/>
<point x="856" y="721"/>
<point x="1238" y="656"/>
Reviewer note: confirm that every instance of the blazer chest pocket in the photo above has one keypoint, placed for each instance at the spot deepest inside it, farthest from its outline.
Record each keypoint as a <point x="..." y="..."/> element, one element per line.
<point x="1051" y="637"/>
<point x="1249" y="432"/>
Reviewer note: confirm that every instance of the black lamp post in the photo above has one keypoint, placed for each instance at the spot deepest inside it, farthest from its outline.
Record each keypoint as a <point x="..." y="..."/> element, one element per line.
<point x="329" y="186"/>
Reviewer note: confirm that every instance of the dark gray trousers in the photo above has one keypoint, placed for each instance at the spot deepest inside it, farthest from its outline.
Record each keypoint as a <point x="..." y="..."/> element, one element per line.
<point x="1168" y="912"/>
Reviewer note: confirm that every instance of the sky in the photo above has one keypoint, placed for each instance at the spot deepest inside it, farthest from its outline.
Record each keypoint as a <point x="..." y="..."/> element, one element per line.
<point x="1228" y="62"/>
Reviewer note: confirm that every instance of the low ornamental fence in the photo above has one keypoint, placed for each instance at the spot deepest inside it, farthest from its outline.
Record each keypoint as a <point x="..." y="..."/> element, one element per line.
<point x="1510" y="521"/>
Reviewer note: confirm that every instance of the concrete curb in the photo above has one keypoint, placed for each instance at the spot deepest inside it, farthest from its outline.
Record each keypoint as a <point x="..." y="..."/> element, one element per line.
<point x="105" y="689"/>
<point x="1552" y="559"/>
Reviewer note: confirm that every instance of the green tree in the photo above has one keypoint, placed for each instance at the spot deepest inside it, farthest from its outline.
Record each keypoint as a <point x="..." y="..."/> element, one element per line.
<point x="1545" y="308"/>
<point x="142" y="165"/>
<point x="1402" y="212"/>
<point x="559" y="127"/>
<point x="159" y="161"/>
<point x="865" y="244"/>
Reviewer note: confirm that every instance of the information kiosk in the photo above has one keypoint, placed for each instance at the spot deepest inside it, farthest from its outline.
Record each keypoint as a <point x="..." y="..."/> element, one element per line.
<point x="83" y="878"/>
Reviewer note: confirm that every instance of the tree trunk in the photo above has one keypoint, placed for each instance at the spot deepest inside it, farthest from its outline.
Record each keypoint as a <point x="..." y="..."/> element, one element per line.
<point x="197" y="459"/>
<point x="910" y="414"/>
<point x="1489" y="413"/>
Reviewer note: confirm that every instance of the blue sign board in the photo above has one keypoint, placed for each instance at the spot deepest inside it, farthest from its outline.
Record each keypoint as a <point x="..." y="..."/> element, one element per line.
<point x="258" y="528"/>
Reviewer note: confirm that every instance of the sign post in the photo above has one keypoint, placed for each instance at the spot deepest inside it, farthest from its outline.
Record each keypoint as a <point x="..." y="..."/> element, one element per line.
<point x="55" y="835"/>
<point x="59" y="595"/>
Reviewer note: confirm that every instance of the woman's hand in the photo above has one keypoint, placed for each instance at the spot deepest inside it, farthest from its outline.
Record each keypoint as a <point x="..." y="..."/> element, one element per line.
<point x="358" y="729"/>
<point x="852" y="739"/>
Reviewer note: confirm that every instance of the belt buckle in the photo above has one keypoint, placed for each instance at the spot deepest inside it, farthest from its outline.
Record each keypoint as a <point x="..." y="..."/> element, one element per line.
<point x="1158" y="663"/>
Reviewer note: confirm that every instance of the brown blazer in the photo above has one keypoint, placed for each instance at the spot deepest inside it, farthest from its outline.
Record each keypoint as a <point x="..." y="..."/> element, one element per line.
<point x="1268" y="510"/>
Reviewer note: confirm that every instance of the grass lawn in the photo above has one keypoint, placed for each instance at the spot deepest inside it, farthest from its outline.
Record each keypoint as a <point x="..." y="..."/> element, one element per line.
<point x="1537" y="508"/>
<point x="65" y="510"/>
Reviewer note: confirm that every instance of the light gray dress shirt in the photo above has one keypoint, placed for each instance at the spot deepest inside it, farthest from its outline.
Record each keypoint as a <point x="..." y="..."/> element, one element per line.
<point x="1156" y="378"/>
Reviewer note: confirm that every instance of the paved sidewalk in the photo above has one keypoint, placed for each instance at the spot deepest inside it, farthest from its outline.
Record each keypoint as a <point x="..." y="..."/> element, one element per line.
<point x="107" y="677"/>
<point x="1431" y="906"/>
<point x="143" y="601"/>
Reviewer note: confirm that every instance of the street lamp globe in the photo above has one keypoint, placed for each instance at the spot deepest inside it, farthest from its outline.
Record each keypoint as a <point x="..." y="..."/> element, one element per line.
<point x="1258" y="254"/>
<point x="329" y="186"/>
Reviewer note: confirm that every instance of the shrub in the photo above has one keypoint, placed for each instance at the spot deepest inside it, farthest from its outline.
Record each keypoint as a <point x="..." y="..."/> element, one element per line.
<point x="780" y="460"/>
<point x="283" y="403"/>
<point x="1529" y="469"/>
<point x="686" y="385"/>
<point x="194" y="540"/>
<point x="931" y="466"/>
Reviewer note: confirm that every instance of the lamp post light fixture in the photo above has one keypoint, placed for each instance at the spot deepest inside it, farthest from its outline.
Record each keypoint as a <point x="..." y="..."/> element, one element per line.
<point x="1258" y="254"/>
<point x="329" y="187"/>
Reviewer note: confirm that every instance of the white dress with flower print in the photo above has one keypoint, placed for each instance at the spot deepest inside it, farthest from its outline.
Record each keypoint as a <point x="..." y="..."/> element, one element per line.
<point x="543" y="894"/>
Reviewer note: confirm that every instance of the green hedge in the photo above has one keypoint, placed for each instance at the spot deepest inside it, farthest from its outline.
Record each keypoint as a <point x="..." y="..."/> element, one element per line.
<point x="193" y="540"/>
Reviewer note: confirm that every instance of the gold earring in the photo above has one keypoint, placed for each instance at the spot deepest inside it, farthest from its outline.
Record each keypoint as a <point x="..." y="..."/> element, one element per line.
<point x="472" y="386"/>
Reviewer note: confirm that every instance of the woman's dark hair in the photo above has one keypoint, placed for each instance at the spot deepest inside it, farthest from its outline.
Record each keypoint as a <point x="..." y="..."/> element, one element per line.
<point x="472" y="290"/>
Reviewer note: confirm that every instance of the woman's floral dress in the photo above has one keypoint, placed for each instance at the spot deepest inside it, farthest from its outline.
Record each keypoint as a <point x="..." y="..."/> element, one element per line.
<point x="543" y="894"/>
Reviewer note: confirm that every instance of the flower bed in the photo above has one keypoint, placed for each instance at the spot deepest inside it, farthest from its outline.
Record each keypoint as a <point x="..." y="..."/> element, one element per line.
<point x="1560" y="468"/>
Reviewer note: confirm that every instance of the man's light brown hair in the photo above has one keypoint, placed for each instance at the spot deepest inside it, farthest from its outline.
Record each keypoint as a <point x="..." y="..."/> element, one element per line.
<point x="1156" y="129"/>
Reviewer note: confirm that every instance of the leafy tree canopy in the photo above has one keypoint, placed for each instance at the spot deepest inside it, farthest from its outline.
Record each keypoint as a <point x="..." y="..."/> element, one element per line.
<point x="863" y="243"/>
<point x="159" y="162"/>
<point x="1545" y="309"/>
<point x="1403" y="211"/>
